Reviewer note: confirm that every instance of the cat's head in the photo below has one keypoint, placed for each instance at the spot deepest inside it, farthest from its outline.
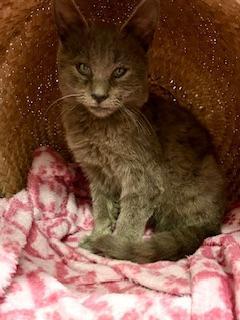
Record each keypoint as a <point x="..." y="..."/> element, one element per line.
<point x="105" y="67"/>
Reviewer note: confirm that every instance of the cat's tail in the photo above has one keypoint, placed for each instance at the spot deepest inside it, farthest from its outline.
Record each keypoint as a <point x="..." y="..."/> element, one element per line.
<point x="168" y="245"/>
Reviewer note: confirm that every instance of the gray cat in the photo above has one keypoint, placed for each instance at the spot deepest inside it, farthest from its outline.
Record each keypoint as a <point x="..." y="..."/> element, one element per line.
<point x="148" y="162"/>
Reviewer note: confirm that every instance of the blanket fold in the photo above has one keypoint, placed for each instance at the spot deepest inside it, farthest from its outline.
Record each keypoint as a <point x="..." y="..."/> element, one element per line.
<point x="44" y="274"/>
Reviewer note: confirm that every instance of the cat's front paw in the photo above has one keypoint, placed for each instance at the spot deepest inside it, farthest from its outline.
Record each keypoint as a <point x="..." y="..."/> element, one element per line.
<point x="86" y="243"/>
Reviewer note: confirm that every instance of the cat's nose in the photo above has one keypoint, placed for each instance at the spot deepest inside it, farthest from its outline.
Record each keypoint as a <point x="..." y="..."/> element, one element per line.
<point x="99" y="97"/>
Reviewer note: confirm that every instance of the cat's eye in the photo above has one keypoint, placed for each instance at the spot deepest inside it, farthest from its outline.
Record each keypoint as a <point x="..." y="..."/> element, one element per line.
<point x="84" y="69"/>
<point x="119" y="72"/>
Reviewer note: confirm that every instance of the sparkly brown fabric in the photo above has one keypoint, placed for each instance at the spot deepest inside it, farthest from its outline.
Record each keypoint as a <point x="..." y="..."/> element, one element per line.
<point x="195" y="58"/>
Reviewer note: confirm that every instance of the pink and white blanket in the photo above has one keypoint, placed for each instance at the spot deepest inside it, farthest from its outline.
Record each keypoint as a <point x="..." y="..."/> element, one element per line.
<point x="45" y="275"/>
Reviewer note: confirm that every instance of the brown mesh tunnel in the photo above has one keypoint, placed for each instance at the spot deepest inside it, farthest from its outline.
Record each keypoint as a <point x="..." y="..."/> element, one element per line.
<point x="195" y="58"/>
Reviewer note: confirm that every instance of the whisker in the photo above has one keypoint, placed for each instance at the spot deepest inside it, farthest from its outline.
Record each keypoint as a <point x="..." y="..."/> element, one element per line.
<point x="62" y="98"/>
<point x="121" y="110"/>
<point x="126" y="117"/>
<point x="130" y="116"/>
<point x="142" y="120"/>
<point x="66" y="110"/>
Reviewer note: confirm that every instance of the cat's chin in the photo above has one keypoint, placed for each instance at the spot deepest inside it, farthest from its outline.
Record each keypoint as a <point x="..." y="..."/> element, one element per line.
<point x="100" y="112"/>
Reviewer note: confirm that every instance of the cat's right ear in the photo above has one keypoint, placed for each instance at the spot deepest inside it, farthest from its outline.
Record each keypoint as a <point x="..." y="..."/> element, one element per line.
<point x="68" y="18"/>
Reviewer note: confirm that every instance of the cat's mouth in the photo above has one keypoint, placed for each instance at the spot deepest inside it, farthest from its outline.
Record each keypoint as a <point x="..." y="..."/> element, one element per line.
<point x="101" y="111"/>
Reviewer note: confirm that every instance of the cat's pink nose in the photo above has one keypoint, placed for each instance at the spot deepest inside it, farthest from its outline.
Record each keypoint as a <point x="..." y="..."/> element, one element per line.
<point x="99" y="97"/>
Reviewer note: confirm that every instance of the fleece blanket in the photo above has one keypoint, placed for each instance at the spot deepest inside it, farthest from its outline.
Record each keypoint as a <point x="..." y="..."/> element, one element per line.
<point x="45" y="275"/>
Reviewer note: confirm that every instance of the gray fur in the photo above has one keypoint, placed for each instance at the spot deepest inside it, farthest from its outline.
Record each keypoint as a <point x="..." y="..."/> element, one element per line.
<point x="147" y="161"/>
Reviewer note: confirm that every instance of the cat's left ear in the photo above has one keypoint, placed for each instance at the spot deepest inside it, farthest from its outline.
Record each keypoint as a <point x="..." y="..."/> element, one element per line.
<point x="143" y="22"/>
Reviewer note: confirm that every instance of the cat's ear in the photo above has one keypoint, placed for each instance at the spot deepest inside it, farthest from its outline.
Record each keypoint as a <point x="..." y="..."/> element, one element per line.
<point x="68" y="18"/>
<point x="143" y="22"/>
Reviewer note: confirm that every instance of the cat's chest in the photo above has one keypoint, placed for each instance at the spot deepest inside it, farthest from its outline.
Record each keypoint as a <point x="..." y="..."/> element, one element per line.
<point x="96" y="152"/>
<point x="99" y="160"/>
<point x="96" y="149"/>
<point x="111" y="149"/>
